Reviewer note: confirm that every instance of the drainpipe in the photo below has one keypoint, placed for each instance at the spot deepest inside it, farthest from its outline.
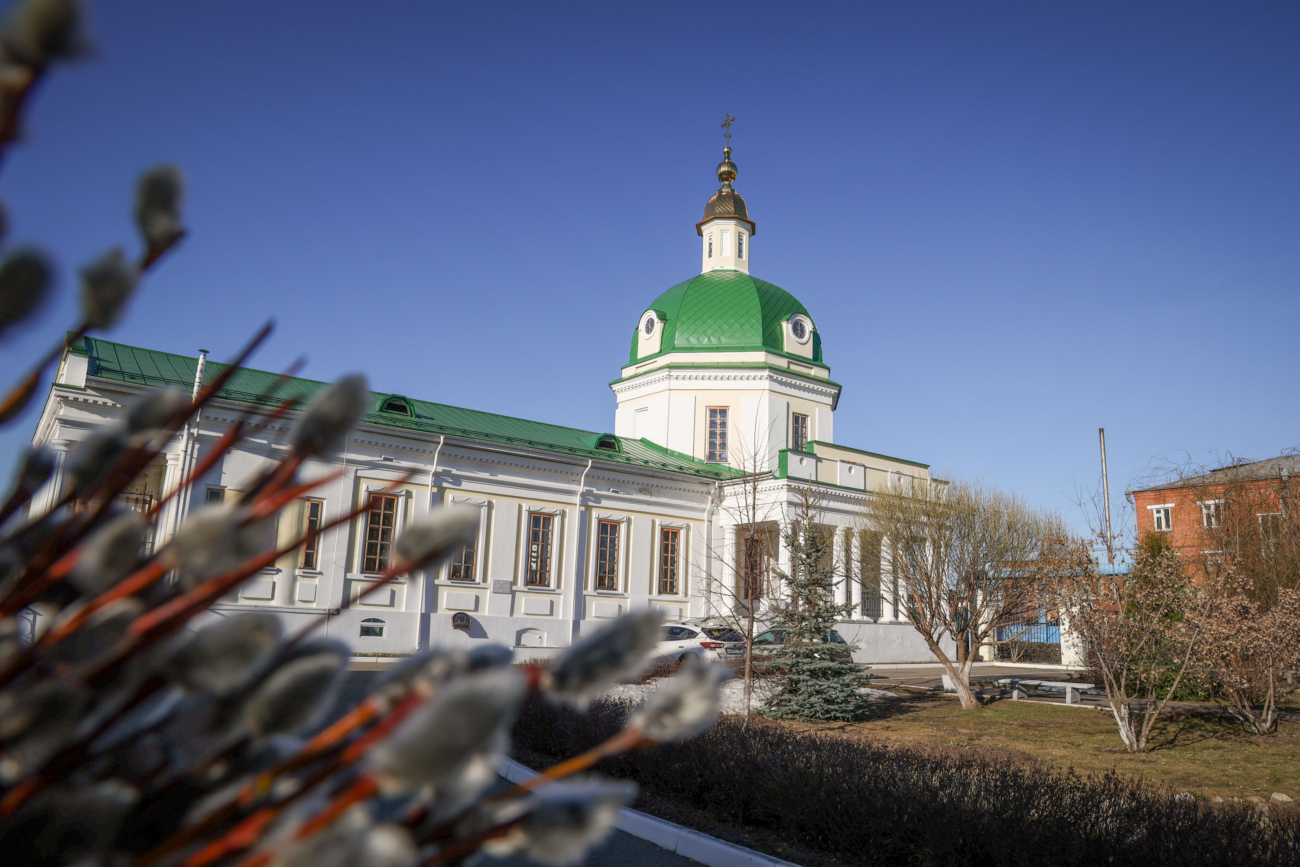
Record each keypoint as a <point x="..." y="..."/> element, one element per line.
<point x="434" y="469"/>
<point x="578" y="556"/>
<point x="708" y="528"/>
<point x="424" y="585"/>
<point x="182" y="501"/>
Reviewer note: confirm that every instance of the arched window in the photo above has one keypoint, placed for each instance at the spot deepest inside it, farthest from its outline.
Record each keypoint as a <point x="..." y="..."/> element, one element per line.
<point x="372" y="627"/>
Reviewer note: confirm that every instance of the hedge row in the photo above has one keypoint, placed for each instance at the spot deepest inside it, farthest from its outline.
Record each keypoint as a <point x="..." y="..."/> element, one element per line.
<point x="860" y="802"/>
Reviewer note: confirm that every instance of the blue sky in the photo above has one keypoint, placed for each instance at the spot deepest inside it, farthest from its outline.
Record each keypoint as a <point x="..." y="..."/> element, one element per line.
<point x="1012" y="222"/>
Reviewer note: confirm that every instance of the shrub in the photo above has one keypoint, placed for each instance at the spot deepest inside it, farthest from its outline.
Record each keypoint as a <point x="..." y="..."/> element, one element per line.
<point x="860" y="802"/>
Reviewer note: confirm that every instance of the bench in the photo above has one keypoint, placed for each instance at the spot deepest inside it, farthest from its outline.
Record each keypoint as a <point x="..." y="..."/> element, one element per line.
<point x="1073" y="691"/>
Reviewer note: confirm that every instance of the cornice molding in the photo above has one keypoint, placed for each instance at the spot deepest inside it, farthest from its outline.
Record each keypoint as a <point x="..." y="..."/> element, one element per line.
<point x="657" y="380"/>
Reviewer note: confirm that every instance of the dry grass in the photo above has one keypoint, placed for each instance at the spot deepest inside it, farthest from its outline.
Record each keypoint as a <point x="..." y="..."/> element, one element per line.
<point x="1207" y="757"/>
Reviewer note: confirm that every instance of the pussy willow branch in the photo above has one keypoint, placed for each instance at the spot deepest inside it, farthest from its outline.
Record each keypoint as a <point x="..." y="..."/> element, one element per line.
<point x="11" y="120"/>
<point x="150" y="628"/>
<point x="111" y="486"/>
<point x="246" y="834"/>
<point x="20" y="395"/>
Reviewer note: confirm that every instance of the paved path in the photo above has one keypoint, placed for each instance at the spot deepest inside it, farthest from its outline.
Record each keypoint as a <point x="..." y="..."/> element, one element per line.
<point x="620" y="850"/>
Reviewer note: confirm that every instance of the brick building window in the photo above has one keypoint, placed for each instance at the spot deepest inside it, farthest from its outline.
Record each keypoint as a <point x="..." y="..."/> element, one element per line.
<point x="1211" y="514"/>
<point x="1162" y="518"/>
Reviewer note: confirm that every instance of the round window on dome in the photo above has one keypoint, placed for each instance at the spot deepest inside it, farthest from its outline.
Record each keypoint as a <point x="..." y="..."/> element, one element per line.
<point x="800" y="328"/>
<point x="649" y="326"/>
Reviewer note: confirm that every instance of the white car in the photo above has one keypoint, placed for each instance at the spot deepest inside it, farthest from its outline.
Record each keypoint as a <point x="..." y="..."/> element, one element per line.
<point x="682" y="639"/>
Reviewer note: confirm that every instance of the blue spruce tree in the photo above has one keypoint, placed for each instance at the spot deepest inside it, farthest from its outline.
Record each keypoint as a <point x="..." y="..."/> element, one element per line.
<point x="812" y="683"/>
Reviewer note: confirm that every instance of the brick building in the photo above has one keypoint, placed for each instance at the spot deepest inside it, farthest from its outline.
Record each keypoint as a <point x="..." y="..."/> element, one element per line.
<point x="1243" y="500"/>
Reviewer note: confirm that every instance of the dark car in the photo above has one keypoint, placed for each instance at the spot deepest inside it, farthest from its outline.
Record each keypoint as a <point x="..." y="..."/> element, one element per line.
<point x="770" y="643"/>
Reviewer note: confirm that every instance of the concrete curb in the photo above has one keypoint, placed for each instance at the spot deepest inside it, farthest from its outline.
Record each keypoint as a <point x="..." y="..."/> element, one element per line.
<point x="685" y="842"/>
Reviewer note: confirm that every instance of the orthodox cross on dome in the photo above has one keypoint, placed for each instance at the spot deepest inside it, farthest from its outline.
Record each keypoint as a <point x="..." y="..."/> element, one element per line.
<point x="726" y="129"/>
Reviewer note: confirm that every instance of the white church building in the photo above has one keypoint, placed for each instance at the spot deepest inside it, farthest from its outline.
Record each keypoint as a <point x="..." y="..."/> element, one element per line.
<point x="725" y="393"/>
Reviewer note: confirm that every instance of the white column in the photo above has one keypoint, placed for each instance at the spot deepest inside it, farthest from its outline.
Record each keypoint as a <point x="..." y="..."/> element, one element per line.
<point x="729" y="575"/>
<point x="855" y="583"/>
<point x="843" y="568"/>
<point x="52" y="491"/>
<point x="887" y="587"/>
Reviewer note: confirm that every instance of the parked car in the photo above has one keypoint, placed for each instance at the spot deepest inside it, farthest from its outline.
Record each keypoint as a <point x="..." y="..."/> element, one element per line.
<point x="681" y="639"/>
<point x="770" y="643"/>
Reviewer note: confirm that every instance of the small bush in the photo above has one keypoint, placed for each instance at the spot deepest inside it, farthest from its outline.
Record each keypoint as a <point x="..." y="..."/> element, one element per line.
<point x="839" y="800"/>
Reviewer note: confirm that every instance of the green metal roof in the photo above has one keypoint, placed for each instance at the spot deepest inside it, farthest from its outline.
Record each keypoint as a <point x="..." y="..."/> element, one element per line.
<point x="726" y="311"/>
<point x="131" y="364"/>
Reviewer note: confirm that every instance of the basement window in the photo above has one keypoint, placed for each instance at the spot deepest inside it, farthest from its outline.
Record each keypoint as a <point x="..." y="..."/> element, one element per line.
<point x="372" y="627"/>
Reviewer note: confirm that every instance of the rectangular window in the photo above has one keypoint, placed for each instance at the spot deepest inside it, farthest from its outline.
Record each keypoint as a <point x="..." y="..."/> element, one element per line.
<point x="754" y="567"/>
<point x="381" y="522"/>
<point x="215" y="495"/>
<point x="539" y="549"/>
<point x="726" y="243"/>
<point x="1212" y="514"/>
<point x="1163" y="518"/>
<point x="607" y="556"/>
<point x="718" y="434"/>
<point x="710" y="253"/>
<point x="669" y="550"/>
<point x="462" y="565"/>
<point x="740" y="245"/>
<point x="799" y="432"/>
<point x="1270" y="528"/>
<point x="312" y="512"/>
<point x="869" y="573"/>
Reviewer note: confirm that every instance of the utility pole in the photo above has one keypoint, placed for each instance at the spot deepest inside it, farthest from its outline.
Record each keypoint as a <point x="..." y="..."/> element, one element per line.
<point x="1105" y="494"/>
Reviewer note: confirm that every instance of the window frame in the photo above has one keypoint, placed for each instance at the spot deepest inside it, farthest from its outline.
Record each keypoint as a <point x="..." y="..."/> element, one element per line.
<point x="709" y="246"/>
<point x="311" y="547"/>
<point x="480" y="543"/>
<point x="740" y="245"/>
<point x="1157" y="511"/>
<point x="361" y="633"/>
<point x="798" y="442"/>
<point x="623" y="553"/>
<point x="680" y="567"/>
<point x="554" y="553"/>
<point x="1211" y="510"/>
<point x="363" y="535"/>
<point x="609" y="543"/>
<point x="1269" y="530"/>
<point x="220" y="495"/>
<point x="712" y="453"/>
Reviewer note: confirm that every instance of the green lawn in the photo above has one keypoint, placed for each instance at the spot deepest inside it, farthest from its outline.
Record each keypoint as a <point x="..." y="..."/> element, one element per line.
<point x="1188" y="753"/>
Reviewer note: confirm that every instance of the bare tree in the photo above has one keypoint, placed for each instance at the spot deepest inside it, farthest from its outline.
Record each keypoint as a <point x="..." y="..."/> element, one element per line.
<point x="1138" y="630"/>
<point x="741" y="595"/>
<point x="965" y="560"/>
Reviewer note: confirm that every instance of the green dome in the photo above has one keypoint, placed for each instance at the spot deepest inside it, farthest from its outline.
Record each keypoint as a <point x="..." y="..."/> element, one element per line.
<point x="726" y="311"/>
